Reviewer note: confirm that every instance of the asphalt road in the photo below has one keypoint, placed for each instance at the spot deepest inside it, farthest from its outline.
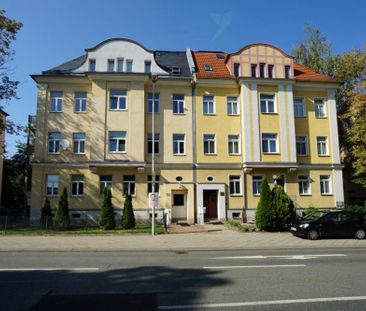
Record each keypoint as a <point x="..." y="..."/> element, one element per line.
<point x="333" y="279"/>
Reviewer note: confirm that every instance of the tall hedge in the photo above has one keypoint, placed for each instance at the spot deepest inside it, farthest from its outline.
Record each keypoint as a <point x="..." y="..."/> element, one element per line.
<point x="106" y="217"/>
<point x="264" y="216"/>
<point x="283" y="207"/>
<point x="62" y="218"/>
<point x="128" y="217"/>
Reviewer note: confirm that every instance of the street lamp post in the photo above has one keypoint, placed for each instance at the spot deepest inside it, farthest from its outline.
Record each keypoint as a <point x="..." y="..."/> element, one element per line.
<point x="154" y="79"/>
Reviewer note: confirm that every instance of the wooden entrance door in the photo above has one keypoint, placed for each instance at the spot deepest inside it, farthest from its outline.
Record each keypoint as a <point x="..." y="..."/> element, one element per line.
<point x="210" y="202"/>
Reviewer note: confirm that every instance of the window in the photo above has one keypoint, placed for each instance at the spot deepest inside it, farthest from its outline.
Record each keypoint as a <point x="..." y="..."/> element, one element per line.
<point x="149" y="183"/>
<point x="54" y="142"/>
<point x="207" y="67"/>
<point x="105" y="181"/>
<point x="92" y="64"/>
<point x="178" y="144"/>
<point x="208" y="104"/>
<point x="304" y="184"/>
<point x="80" y="101"/>
<point x="52" y="185"/>
<point x="77" y="185"/>
<point x="234" y="144"/>
<point x="178" y="104"/>
<point x="118" y="100"/>
<point x="319" y="108"/>
<point x="322" y="145"/>
<point x="78" y="143"/>
<point x="232" y="105"/>
<point x="299" y="107"/>
<point x="261" y="69"/>
<point x="129" y="65"/>
<point x="150" y="103"/>
<point x="56" y="101"/>
<point x="287" y="72"/>
<point x="270" y="71"/>
<point x="269" y="143"/>
<point x="119" y="64"/>
<point x="253" y="68"/>
<point x="178" y="199"/>
<point x="147" y="67"/>
<point x="209" y="144"/>
<point x="267" y="103"/>
<point x="129" y="184"/>
<point x="256" y="184"/>
<point x="176" y="71"/>
<point x="301" y="145"/>
<point x="150" y="143"/>
<point x="110" y="67"/>
<point x="236" y="69"/>
<point x="325" y="187"/>
<point x="235" y="184"/>
<point x="117" y="141"/>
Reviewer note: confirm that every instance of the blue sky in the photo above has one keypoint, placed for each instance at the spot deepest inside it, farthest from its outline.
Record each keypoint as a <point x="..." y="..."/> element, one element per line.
<point x="57" y="31"/>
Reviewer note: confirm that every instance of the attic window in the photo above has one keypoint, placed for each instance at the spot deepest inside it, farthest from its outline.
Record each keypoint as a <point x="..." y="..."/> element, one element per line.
<point x="208" y="67"/>
<point x="176" y="71"/>
<point x="220" y="56"/>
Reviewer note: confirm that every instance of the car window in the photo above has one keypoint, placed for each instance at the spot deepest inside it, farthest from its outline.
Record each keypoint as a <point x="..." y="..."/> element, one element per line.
<point x="331" y="217"/>
<point x="313" y="216"/>
<point x="349" y="217"/>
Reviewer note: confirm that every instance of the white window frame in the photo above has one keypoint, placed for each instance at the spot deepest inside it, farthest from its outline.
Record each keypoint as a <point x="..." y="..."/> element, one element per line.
<point x="322" y="146"/>
<point x="129" y="62"/>
<point x="267" y="100"/>
<point x="55" y="142"/>
<point x="317" y="111"/>
<point x="118" y="139"/>
<point x="128" y="184"/>
<point x="80" y="102"/>
<point x="179" y="143"/>
<point x="80" y="143"/>
<point x="110" y="65"/>
<point x="157" y="142"/>
<point x="179" y="103"/>
<point x="150" y="102"/>
<point x="105" y="183"/>
<point x="120" y="61"/>
<point x="268" y="143"/>
<point x="232" y="101"/>
<point x="210" y="140"/>
<point x="208" y="104"/>
<point x="324" y="179"/>
<point x="299" y="105"/>
<point x="119" y="102"/>
<point x="56" y="102"/>
<point x="94" y="62"/>
<point x="257" y="180"/>
<point x="236" y="181"/>
<point x="232" y="140"/>
<point x="77" y="180"/>
<point x="147" y="63"/>
<point x="305" y="142"/>
<point x="52" y="185"/>
<point x="302" y="180"/>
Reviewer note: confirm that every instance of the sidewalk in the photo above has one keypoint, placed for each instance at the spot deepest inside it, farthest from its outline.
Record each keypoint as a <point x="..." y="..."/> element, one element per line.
<point x="210" y="239"/>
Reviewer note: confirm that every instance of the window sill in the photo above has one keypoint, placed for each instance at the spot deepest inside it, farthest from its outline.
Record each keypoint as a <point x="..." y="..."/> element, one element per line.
<point x="234" y="115"/>
<point x="326" y="194"/>
<point x="81" y="112"/>
<point x="234" y="154"/>
<point x="178" y="154"/>
<point x="269" y="113"/>
<point x="321" y="117"/>
<point x="209" y="114"/>
<point x="271" y="153"/>
<point x="118" y="109"/>
<point x="210" y="154"/>
<point x="236" y="195"/>
<point x="305" y="194"/>
<point x="117" y="152"/>
<point x="55" y="111"/>
<point x="324" y="155"/>
<point x="256" y="195"/>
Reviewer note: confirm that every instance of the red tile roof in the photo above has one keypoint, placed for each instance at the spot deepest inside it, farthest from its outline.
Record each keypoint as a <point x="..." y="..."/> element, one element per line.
<point x="218" y="64"/>
<point x="303" y="73"/>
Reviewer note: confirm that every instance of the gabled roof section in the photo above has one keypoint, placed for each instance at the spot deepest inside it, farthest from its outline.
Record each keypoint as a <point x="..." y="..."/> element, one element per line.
<point x="217" y="61"/>
<point x="67" y="67"/>
<point x="171" y="60"/>
<point x="303" y="73"/>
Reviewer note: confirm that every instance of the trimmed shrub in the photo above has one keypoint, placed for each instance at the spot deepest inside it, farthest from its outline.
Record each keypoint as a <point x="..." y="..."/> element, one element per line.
<point x="310" y="210"/>
<point x="106" y="217"/>
<point x="62" y="218"/>
<point x="128" y="217"/>
<point x="283" y="207"/>
<point x="264" y="216"/>
<point x="46" y="214"/>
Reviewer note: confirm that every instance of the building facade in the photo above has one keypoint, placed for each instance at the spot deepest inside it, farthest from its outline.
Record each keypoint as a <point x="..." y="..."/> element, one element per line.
<point x="217" y="124"/>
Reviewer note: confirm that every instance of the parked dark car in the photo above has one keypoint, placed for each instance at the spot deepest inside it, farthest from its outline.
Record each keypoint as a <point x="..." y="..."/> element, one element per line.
<point x="337" y="224"/>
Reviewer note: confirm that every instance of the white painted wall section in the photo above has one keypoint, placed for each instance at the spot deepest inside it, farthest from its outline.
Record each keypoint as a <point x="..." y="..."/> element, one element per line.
<point x="283" y="123"/>
<point x="332" y="108"/>
<point x="338" y="186"/>
<point x="255" y="123"/>
<point x="291" y="122"/>
<point x="246" y="122"/>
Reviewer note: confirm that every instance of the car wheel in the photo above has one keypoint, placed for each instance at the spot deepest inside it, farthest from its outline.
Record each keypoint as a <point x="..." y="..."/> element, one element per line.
<point x="313" y="234"/>
<point x="360" y="234"/>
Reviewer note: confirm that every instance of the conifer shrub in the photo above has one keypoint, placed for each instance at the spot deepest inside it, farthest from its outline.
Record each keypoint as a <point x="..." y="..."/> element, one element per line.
<point x="46" y="214"/>
<point x="106" y="217"/>
<point x="62" y="218"/>
<point x="264" y="216"/>
<point x="128" y="217"/>
<point x="283" y="207"/>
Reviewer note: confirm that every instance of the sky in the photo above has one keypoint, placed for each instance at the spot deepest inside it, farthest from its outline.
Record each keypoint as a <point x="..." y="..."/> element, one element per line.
<point x="56" y="31"/>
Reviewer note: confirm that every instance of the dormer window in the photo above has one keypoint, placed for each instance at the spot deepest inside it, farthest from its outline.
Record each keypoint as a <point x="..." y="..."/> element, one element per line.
<point x="270" y="71"/>
<point x="254" y="70"/>
<point x="92" y="64"/>
<point x="287" y="72"/>
<point x="110" y="65"/>
<point x="147" y="66"/>
<point x="176" y="71"/>
<point x="129" y="65"/>
<point x="261" y="69"/>
<point x="208" y="67"/>
<point x="236" y="69"/>
<point x="119" y="64"/>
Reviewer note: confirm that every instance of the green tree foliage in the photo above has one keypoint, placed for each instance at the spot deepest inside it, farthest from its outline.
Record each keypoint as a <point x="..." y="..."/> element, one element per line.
<point x="128" y="217"/>
<point x="46" y="214"/>
<point x="106" y="217"/>
<point x="62" y="218"/>
<point x="264" y="216"/>
<point x="283" y="208"/>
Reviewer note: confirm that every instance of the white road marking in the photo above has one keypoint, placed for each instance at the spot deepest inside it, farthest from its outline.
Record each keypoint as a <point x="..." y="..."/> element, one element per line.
<point x="47" y="269"/>
<point x="261" y="303"/>
<point x="249" y="267"/>
<point x="301" y="257"/>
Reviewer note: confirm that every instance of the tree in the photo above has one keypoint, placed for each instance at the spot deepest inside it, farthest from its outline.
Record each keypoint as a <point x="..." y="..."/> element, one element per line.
<point x="128" y="217"/>
<point x="62" y="218"/>
<point x="8" y="87"/>
<point x="106" y="217"/>
<point x="283" y="207"/>
<point x="46" y="214"/>
<point x="264" y="216"/>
